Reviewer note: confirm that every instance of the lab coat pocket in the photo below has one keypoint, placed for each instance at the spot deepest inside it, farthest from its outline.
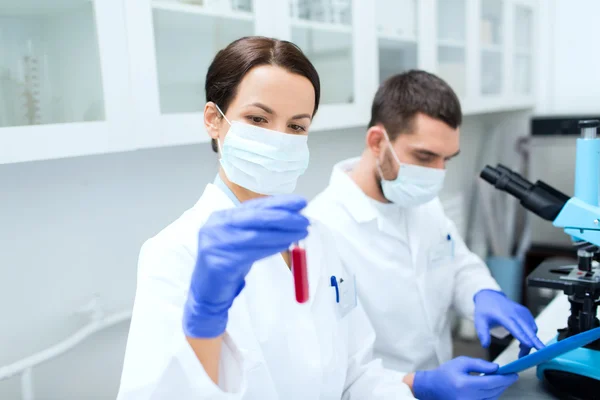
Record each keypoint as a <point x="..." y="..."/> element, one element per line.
<point x="345" y="294"/>
<point x="441" y="253"/>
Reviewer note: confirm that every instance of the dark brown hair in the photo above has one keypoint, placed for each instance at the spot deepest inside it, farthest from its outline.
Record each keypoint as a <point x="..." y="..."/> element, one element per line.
<point x="232" y="63"/>
<point x="401" y="97"/>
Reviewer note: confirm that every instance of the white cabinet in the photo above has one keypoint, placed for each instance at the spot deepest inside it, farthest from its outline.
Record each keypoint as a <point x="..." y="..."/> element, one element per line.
<point x="452" y="43"/>
<point x="397" y="24"/>
<point x="81" y="77"/>
<point x="64" y="83"/>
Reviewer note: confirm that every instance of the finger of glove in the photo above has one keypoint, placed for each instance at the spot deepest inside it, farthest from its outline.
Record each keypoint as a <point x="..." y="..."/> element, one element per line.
<point x="468" y="365"/>
<point x="524" y="350"/>
<point x="242" y="239"/>
<point x="289" y="202"/>
<point x="483" y="330"/>
<point x="528" y="325"/>
<point x="265" y="219"/>
<point x="239" y="258"/>
<point x="530" y="321"/>
<point x="520" y="331"/>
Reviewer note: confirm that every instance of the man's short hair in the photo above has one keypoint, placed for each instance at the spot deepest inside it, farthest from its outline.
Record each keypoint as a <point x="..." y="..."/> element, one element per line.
<point x="401" y="97"/>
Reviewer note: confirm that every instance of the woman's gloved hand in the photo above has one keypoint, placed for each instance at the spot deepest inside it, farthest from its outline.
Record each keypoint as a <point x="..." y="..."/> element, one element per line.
<point x="453" y="380"/>
<point x="493" y="308"/>
<point x="228" y="244"/>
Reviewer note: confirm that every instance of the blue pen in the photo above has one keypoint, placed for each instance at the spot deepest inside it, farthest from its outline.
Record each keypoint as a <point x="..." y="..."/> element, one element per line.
<point x="334" y="283"/>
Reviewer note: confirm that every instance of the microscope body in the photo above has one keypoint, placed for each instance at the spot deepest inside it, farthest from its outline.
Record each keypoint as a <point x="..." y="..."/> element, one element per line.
<point x="574" y="375"/>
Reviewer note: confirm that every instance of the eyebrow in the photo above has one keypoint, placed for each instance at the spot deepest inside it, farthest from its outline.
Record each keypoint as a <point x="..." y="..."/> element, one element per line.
<point x="432" y="154"/>
<point x="301" y="116"/>
<point x="269" y="110"/>
<point x="265" y="108"/>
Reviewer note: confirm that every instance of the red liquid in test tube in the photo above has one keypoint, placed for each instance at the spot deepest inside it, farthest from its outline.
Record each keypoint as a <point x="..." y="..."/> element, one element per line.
<point x="300" y="273"/>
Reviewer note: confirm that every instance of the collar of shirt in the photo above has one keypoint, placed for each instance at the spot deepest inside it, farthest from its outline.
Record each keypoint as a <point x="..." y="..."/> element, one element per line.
<point x="390" y="218"/>
<point x="218" y="182"/>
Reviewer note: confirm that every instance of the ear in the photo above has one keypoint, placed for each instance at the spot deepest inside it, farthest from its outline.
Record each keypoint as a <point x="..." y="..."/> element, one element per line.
<point x="376" y="140"/>
<point x="212" y="120"/>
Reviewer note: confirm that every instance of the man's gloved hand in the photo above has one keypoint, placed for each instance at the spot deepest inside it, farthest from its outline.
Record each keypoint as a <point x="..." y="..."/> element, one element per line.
<point x="228" y="244"/>
<point x="452" y="380"/>
<point x="493" y="308"/>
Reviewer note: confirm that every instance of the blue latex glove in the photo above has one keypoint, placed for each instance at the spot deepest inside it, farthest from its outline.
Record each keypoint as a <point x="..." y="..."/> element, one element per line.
<point x="453" y="380"/>
<point x="228" y="244"/>
<point x="493" y="308"/>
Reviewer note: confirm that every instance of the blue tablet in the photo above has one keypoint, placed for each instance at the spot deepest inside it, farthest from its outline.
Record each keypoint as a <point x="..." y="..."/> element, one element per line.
<point x="550" y="352"/>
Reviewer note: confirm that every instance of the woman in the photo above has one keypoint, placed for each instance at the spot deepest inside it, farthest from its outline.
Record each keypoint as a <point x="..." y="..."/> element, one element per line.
<point x="215" y="315"/>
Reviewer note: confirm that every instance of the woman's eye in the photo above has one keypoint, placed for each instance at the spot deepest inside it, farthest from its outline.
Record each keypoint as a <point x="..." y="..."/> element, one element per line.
<point x="297" y="128"/>
<point x="256" y="119"/>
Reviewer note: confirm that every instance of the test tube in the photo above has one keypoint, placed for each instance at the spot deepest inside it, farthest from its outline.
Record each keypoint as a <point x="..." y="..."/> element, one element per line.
<point x="299" y="271"/>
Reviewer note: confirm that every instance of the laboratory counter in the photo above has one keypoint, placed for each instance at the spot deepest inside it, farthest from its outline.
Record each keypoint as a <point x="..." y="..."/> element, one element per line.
<point x="553" y="317"/>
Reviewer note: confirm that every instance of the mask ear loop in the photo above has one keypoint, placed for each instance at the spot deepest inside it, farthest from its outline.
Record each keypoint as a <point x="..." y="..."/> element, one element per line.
<point x="391" y="147"/>
<point x="219" y="141"/>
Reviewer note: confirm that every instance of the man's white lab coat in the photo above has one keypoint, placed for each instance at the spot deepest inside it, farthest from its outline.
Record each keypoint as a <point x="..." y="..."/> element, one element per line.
<point x="412" y="268"/>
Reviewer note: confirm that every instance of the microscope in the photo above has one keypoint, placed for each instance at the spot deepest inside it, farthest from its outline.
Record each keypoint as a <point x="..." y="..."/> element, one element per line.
<point x="576" y="374"/>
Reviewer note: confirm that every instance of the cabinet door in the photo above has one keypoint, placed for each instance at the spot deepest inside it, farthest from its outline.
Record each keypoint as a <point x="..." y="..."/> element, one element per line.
<point x="337" y="36"/>
<point x="172" y="43"/>
<point x="492" y="31"/>
<point x="397" y="36"/>
<point x="63" y="79"/>
<point x="523" y="48"/>
<point x="452" y="44"/>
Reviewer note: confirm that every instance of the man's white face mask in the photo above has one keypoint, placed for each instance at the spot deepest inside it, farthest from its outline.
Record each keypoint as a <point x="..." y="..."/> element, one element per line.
<point x="414" y="185"/>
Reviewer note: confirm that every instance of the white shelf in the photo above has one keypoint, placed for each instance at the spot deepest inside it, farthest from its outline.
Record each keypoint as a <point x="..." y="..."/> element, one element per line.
<point x="322" y="26"/>
<point x="491" y="48"/>
<point x="39" y="7"/>
<point x="396" y="38"/>
<point x="452" y="43"/>
<point x="523" y="52"/>
<point x="487" y="104"/>
<point x="200" y="10"/>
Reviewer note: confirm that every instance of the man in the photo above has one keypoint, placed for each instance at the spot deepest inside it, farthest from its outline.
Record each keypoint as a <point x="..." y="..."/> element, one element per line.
<point x="411" y="265"/>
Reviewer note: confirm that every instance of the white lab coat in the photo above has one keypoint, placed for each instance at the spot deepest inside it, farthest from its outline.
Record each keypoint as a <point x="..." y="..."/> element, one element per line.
<point x="408" y="279"/>
<point x="274" y="348"/>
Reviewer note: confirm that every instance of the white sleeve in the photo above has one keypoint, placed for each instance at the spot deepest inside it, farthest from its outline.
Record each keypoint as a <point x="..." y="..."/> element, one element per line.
<point x="366" y="377"/>
<point x="159" y="362"/>
<point x="471" y="275"/>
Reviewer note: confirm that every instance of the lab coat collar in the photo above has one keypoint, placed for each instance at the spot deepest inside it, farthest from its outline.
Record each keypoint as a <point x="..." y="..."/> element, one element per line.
<point x="216" y="197"/>
<point x="359" y="205"/>
<point x="350" y="195"/>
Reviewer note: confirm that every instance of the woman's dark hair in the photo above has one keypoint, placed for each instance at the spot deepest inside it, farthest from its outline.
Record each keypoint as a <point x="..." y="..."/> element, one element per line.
<point x="401" y="97"/>
<point x="232" y="63"/>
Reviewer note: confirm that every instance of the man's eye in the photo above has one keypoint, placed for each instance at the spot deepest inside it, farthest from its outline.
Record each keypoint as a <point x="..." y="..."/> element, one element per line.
<point x="297" y="128"/>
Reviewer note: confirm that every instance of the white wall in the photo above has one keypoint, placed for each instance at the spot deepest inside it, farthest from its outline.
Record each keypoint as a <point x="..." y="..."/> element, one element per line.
<point x="568" y="83"/>
<point x="71" y="228"/>
<point x="568" y="61"/>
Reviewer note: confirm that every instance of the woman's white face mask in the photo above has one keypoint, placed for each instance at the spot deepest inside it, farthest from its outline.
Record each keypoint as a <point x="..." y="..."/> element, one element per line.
<point x="262" y="160"/>
<point x="414" y="185"/>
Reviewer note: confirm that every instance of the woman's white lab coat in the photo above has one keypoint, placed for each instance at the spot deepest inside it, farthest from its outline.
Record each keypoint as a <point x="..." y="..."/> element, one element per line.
<point x="412" y="268"/>
<point x="274" y="348"/>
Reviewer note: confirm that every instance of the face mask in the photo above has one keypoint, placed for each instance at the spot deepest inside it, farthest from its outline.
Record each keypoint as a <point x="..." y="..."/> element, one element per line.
<point x="262" y="160"/>
<point x="414" y="185"/>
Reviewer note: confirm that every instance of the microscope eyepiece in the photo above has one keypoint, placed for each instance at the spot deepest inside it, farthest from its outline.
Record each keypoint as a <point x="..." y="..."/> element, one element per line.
<point x="539" y="198"/>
